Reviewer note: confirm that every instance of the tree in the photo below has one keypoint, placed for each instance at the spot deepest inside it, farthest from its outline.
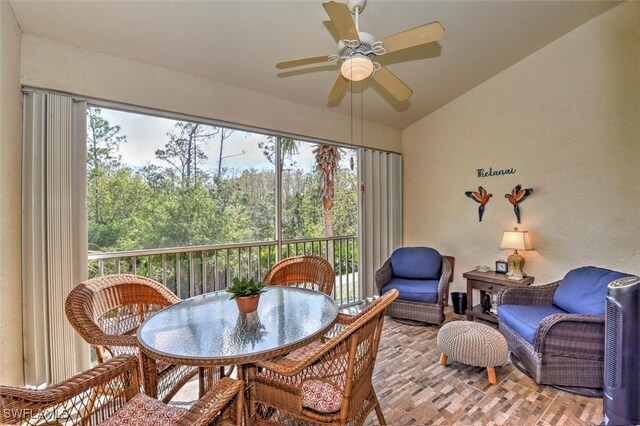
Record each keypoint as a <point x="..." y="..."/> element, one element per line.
<point x="103" y="143"/>
<point x="288" y="146"/>
<point x="345" y="202"/>
<point x="128" y="215"/>
<point x="184" y="203"/>
<point x="224" y="135"/>
<point x="184" y="149"/>
<point x="327" y="161"/>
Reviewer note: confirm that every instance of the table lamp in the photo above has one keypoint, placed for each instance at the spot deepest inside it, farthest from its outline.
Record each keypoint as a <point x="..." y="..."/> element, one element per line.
<point x="515" y="240"/>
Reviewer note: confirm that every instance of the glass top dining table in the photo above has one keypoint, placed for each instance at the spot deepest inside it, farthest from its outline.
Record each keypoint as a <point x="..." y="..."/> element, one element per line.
<point x="208" y="330"/>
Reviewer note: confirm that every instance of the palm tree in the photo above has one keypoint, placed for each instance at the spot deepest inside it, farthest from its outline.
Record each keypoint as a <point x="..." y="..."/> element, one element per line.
<point x="289" y="147"/>
<point x="327" y="159"/>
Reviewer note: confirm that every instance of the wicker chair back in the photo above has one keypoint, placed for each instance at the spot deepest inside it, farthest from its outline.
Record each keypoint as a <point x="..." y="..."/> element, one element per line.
<point x="107" y="311"/>
<point x="312" y="272"/>
<point x="103" y="394"/>
<point x="114" y="305"/>
<point x="343" y="362"/>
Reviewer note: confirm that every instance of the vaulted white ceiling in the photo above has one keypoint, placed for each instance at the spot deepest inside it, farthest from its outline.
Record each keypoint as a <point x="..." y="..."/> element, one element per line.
<point x="239" y="42"/>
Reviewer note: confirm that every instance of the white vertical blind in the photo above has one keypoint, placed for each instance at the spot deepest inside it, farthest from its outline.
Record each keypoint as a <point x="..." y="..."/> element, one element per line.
<point x="54" y="233"/>
<point x="380" y="212"/>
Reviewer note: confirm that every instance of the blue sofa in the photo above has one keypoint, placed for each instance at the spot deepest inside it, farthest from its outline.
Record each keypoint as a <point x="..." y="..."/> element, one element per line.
<point x="557" y="330"/>
<point x="422" y="276"/>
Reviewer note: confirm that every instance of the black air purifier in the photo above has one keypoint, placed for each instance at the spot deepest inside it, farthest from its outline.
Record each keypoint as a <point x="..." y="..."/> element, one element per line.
<point x="622" y="353"/>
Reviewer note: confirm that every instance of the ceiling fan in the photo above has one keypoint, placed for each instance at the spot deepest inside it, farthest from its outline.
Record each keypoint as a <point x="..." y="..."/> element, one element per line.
<point x="357" y="50"/>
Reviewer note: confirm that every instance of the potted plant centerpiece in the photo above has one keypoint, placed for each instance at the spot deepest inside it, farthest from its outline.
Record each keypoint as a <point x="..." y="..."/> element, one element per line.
<point x="247" y="294"/>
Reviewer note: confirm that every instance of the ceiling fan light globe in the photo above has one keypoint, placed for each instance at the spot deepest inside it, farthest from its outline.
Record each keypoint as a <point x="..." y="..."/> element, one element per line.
<point x="357" y="68"/>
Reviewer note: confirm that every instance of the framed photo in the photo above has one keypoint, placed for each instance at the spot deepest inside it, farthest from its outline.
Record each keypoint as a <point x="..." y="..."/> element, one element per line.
<point x="501" y="266"/>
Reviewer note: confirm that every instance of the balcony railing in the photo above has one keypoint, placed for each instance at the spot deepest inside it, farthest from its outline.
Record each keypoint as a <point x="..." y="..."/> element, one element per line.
<point x="190" y="271"/>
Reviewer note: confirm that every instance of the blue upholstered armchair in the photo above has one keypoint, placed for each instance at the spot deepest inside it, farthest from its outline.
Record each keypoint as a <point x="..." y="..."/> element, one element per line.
<point x="557" y="330"/>
<point x="422" y="276"/>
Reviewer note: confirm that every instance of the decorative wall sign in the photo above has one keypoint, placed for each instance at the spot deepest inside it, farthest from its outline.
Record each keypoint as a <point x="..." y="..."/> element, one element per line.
<point x="482" y="173"/>
<point x="517" y="196"/>
<point x="481" y="197"/>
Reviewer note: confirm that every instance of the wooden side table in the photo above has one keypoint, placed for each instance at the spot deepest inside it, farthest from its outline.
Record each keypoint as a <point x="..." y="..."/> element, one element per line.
<point x="490" y="282"/>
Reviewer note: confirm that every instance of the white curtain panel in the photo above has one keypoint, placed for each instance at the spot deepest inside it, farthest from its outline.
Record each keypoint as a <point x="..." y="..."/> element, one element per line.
<point x="380" y="212"/>
<point x="54" y="230"/>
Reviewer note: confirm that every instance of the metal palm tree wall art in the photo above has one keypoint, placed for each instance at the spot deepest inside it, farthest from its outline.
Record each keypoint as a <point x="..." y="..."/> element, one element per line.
<point x="517" y="196"/>
<point x="482" y="197"/>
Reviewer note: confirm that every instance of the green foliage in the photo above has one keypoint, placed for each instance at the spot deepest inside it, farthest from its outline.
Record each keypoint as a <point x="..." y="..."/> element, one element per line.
<point x="183" y="204"/>
<point x="345" y="203"/>
<point x="103" y="142"/>
<point x="245" y="287"/>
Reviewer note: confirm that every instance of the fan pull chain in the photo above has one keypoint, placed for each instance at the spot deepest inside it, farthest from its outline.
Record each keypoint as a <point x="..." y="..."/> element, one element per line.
<point x="361" y="115"/>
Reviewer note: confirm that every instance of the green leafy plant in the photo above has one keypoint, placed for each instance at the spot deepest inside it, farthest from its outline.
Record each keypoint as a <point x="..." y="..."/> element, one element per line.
<point x="245" y="287"/>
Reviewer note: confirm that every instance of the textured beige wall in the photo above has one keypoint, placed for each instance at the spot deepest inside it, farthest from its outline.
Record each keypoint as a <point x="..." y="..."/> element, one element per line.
<point x="51" y="65"/>
<point x="10" y="200"/>
<point x="568" y="119"/>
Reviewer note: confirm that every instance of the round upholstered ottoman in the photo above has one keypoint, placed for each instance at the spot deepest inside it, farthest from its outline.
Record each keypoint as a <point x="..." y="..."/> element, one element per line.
<point x="474" y="344"/>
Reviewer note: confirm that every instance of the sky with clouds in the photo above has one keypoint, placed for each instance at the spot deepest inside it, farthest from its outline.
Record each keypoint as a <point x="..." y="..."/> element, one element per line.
<point x="145" y="134"/>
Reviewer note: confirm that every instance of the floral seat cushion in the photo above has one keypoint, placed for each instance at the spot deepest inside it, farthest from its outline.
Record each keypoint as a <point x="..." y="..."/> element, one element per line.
<point x="321" y="396"/>
<point x="322" y="383"/>
<point x="143" y="410"/>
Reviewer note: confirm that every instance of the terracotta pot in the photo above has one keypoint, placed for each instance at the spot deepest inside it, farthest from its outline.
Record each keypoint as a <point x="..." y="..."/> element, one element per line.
<point x="247" y="304"/>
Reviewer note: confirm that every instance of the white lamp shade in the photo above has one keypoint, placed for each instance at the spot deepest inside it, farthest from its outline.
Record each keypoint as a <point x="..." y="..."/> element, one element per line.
<point x="516" y="240"/>
<point x="357" y="68"/>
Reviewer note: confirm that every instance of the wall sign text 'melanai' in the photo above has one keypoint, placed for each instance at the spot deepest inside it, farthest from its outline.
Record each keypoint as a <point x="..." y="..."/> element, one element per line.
<point x="482" y="173"/>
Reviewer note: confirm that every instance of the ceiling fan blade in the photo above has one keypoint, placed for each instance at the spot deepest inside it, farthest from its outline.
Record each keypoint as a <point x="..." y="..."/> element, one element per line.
<point x="392" y="84"/>
<point x="427" y="33"/>
<point x="338" y="89"/>
<point x="342" y="21"/>
<point x="305" y="61"/>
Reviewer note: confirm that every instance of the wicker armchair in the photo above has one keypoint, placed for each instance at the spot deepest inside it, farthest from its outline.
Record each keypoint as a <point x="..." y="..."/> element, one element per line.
<point x="422" y="276"/>
<point x="106" y="311"/>
<point x="312" y="272"/>
<point x="556" y="331"/>
<point x="109" y="394"/>
<point x="327" y="381"/>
